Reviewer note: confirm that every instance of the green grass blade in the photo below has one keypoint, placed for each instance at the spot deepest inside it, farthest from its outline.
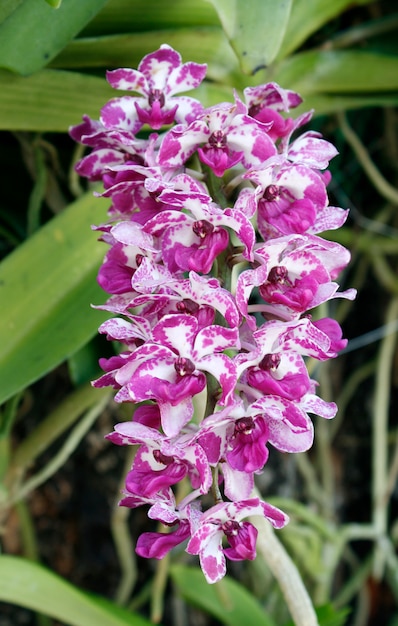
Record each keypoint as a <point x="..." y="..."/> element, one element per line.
<point x="227" y="600"/>
<point x="7" y="7"/>
<point x="46" y="287"/>
<point x="50" y="100"/>
<point x="30" y="585"/>
<point x="34" y="33"/>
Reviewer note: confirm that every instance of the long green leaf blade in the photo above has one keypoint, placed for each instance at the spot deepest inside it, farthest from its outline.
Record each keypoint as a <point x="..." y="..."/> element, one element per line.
<point x="50" y="100"/>
<point x="326" y="104"/>
<point x="46" y="288"/>
<point x="227" y="600"/>
<point x="7" y="7"/>
<point x="201" y="45"/>
<point x="34" y="33"/>
<point x="338" y="71"/>
<point x="255" y="31"/>
<point x="30" y="585"/>
<point x="127" y="16"/>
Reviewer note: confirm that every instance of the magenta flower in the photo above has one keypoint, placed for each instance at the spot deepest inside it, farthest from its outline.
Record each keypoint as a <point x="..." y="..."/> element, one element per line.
<point x="200" y="296"/>
<point x="264" y="103"/>
<point x="155" y="545"/>
<point x="169" y="368"/>
<point x="294" y="275"/>
<point x="224" y="520"/>
<point x="130" y="245"/>
<point x="192" y="242"/>
<point x="238" y="435"/>
<point x="187" y="243"/>
<point x="281" y="374"/>
<point x="140" y="193"/>
<point x="160" y="461"/>
<point x="235" y="435"/>
<point x="224" y="136"/>
<point x="182" y="521"/>
<point x="160" y="75"/>
<point x="308" y="149"/>
<point x="288" y="198"/>
<point x="111" y="147"/>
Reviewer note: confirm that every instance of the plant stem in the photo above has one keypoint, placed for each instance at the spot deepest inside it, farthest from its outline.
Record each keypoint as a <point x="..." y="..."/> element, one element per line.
<point x="55" y="424"/>
<point x="380" y="440"/>
<point x="39" y="189"/>
<point x="158" y="589"/>
<point x="123" y="541"/>
<point x="383" y="187"/>
<point x="285" y="572"/>
<point x="6" y="421"/>
<point x="63" y="454"/>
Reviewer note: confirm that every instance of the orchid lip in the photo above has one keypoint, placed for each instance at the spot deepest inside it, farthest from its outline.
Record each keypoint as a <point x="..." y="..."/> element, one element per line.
<point x="217" y="139"/>
<point x="156" y="95"/>
<point x="277" y="274"/>
<point x="230" y="527"/>
<point x="202" y="228"/>
<point x="270" y="362"/>
<point x="162" y="458"/>
<point x="271" y="193"/>
<point x="244" y="426"/>
<point x="184" y="367"/>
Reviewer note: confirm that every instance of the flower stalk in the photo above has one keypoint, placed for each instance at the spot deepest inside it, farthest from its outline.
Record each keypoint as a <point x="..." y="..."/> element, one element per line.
<point x="287" y="575"/>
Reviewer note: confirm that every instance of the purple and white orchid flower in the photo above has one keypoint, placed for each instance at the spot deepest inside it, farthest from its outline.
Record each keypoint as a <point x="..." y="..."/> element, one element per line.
<point x="215" y="261"/>
<point x="159" y="76"/>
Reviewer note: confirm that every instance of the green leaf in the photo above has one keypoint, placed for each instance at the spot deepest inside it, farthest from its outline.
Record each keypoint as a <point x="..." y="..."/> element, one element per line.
<point x="328" y="616"/>
<point x="83" y="364"/>
<point x="308" y="17"/>
<point x="304" y="545"/>
<point x="201" y="45"/>
<point x="127" y="16"/>
<point x="7" y="7"/>
<point x="54" y="3"/>
<point x="326" y="104"/>
<point x="30" y="585"/>
<point x="50" y="100"/>
<point x="338" y="71"/>
<point x="255" y="31"/>
<point x="227" y="600"/>
<point x="34" y="33"/>
<point x="46" y="287"/>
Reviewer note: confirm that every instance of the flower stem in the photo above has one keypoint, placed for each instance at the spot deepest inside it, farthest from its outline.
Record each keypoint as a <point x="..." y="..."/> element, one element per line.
<point x="123" y="542"/>
<point x="380" y="445"/>
<point x="383" y="187"/>
<point x="63" y="454"/>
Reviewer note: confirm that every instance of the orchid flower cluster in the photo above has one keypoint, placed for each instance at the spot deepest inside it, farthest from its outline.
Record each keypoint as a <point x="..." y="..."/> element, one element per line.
<point x="214" y="261"/>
